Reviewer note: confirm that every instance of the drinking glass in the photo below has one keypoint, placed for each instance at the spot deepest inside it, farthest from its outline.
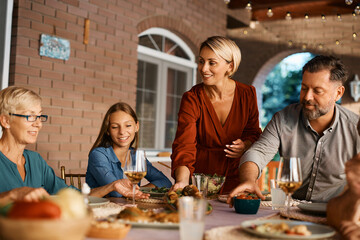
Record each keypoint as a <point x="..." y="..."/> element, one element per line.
<point x="192" y="218"/>
<point x="278" y="196"/>
<point x="135" y="167"/>
<point x="289" y="177"/>
<point x="201" y="181"/>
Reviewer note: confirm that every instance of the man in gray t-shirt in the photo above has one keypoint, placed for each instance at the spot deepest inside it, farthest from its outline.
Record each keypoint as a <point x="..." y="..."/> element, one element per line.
<point x="320" y="132"/>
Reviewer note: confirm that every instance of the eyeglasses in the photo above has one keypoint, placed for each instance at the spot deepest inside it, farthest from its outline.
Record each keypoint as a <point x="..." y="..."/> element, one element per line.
<point x="31" y="118"/>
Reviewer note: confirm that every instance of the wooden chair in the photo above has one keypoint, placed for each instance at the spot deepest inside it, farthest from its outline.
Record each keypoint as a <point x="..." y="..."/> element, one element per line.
<point x="77" y="176"/>
<point x="269" y="172"/>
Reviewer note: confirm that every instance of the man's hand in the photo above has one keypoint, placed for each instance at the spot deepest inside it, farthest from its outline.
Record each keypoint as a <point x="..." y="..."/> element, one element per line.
<point x="245" y="187"/>
<point x="349" y="230"/>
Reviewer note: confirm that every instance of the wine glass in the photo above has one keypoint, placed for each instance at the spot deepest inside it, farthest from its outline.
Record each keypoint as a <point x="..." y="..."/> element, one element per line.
<point x="135" y="167"/>
<point x="289" y="177"/>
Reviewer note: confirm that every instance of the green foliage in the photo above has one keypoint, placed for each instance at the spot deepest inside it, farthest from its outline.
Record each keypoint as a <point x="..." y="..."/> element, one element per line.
<point x="282" y="87"/>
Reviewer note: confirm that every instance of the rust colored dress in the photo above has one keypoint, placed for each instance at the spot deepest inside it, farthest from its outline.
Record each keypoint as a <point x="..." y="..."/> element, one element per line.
<point x="200" y="138"/>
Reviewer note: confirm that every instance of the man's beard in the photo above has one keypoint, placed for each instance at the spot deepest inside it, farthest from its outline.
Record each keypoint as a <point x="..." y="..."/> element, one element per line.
<point x="317" y="111"/>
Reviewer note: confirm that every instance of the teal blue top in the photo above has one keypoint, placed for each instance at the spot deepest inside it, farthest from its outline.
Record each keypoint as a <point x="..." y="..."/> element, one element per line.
<point x="38" y="174"/>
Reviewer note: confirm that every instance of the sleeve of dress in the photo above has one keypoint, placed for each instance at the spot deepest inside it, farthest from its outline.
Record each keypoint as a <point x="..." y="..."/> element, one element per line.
<point x="156" y="177"/>
<point x="252" y="129"/>
<point x="100" y="168"/>
<point x="265" y="148"/>
<point x="52" y="183"/>
<point x="184" y="145"/>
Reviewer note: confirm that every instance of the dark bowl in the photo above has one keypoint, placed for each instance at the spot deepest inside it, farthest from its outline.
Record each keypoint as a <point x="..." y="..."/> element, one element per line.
<point x="246" y="206"/>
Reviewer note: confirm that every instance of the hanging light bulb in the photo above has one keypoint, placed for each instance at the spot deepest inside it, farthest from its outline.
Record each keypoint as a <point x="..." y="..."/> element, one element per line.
<point x="337" y="42"/>
<point x="306" y="16"/>
<point x="304" y="46"/>
<point x="288" y="16"/>
<point x="354" y="35"/>
<point x="323" y="18"/>
<point x="269" y="12"/>
<point x="348" y="2"/>
<point x="339" y="17"/>
<point x="248" y="6"/>
<point x="320" y="46"/>
<point x="226" y="1"/>
<point x="354" y="14"/>
<point x="357" y="10"/>
<point x="290" y="43"/>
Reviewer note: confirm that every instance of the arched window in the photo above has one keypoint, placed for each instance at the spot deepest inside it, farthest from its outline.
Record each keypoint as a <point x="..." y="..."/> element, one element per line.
<point x="166" y="69"/>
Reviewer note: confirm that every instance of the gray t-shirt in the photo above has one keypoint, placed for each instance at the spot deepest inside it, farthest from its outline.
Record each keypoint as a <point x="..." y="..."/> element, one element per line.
<point x="322" y="157"/>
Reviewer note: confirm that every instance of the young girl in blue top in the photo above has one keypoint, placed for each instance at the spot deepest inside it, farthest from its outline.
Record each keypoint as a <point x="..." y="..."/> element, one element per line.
<point x="119" y="132"/>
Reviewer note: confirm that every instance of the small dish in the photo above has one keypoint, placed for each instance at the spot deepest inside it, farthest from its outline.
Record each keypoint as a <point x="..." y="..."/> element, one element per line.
<point x="246" y="206"/>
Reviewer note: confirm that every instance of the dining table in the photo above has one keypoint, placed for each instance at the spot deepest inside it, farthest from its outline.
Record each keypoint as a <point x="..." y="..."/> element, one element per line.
<point x="221" y="216"/>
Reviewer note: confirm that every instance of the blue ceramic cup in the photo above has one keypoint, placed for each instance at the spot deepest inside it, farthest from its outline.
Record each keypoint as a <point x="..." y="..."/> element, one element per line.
<point x="246" y="206"/>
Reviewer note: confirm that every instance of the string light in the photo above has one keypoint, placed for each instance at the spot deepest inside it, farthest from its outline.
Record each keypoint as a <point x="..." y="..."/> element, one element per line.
<point x="304" y="46"/>
<point x="269" y="12"/>
<point x="245" y="32"/>
<point x="320" y="46"/>
<point x="354" y="35"/>
<point x="337" y="42"/>
<point x="323" y="18"/>
<point x="348" y="2"/>
<point x="290" y="43"/>
<point x="354" y="14"/>
<point x="306" y="16"/>
<point x="339" y="17"/>
<point x="288" y="16"/>
<point x="248" y="6"/>
<point x="357" y="10"/>
<point x="226" y="1"/>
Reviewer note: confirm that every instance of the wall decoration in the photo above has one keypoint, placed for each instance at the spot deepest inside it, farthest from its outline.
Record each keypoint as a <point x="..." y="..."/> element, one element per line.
<point x="54" y="47"/>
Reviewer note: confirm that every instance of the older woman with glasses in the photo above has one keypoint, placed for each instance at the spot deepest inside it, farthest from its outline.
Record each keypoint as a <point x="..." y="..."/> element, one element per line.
<point x="24" y="174"/>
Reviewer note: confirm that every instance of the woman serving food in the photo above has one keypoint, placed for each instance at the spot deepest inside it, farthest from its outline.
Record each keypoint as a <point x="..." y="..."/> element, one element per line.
<point x="24" y="174"/>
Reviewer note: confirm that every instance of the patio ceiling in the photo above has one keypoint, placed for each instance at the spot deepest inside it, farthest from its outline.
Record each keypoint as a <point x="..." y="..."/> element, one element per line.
<point x="297" y="8"/>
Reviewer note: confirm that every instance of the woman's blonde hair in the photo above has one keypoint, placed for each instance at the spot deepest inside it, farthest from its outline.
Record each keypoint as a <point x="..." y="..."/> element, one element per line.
<point x="17" y="98"/>
<point x="225" y="48"/>
<point x="104" y="138"/>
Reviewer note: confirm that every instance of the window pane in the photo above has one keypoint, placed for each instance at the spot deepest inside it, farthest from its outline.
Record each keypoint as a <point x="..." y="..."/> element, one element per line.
<point x="147" y="134"/>
<point x="146" y="96"/>
<point x="173" y="49"/>
<point x="170" y="133"/>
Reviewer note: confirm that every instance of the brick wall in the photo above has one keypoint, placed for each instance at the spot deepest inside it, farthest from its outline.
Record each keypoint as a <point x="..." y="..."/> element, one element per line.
<point x="76" y="93"/>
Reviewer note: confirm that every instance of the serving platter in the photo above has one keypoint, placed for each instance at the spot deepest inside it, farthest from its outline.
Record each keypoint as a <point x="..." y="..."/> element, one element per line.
<point x="318" y="231"/>
<point x="96" y="201"/>
<point x="313" y="207"/>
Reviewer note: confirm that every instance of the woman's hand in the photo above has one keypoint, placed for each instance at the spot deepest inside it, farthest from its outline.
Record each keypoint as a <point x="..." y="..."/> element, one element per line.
<point x="125" y="188"/>
<point x="237" y="148"/>
<point x="248" y="187"/>
<point x="28" y="194"/>
<point x="179" y="185"/>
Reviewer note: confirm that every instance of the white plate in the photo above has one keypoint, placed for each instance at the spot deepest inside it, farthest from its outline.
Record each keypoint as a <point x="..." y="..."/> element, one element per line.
<point x="96" y="201"/>
<point x="313" y="207"/>
<point x="150" y="224"/>
<point x="317" y="231"/>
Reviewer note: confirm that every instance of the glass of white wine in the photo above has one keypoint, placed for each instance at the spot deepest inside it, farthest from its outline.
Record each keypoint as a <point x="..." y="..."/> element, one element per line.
<point x="289" y="177"/>
<point x="135" y="167"/>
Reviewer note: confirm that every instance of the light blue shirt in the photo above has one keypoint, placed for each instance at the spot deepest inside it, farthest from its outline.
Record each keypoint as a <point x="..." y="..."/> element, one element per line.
<point x="38" y="174"/>
<point x="104" y="167"/>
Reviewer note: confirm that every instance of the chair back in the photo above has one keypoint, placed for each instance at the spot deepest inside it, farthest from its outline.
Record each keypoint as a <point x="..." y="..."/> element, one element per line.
<point x="269" y="172"/>
<point x="72" y="176"/>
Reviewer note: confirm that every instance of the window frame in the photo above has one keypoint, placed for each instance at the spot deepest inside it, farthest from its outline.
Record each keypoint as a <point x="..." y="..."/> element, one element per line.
<point x="165" y="61"/>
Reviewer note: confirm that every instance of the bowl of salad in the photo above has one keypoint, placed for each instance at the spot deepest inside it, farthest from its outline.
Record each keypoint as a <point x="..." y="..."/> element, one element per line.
<point x="214" y="183"/>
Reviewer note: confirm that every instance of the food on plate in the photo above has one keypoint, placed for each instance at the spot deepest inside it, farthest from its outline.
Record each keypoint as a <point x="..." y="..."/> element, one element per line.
<point x="282" y="228"/>
<point x="135" y="214"/>
<point x="247" y="196"/>
<point x="44" y="209"/>
<point x="171" y="198"/>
